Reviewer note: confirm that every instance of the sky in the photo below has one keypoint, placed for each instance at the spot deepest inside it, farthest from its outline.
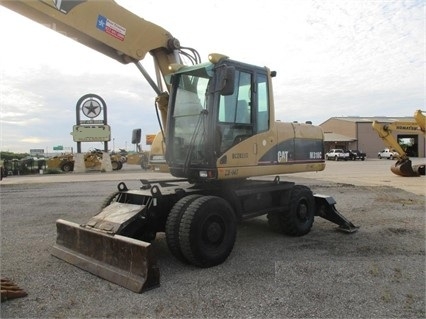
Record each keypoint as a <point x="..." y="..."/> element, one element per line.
<point x="333" y="58"/>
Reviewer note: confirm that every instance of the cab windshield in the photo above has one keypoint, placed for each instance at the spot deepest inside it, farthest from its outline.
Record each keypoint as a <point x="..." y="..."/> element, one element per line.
<point x="189" y="120"/>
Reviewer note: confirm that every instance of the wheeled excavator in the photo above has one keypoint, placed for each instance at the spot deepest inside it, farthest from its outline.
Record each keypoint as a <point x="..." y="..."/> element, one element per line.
<point x="403" y="166"/>
<point x="220" y="133"/>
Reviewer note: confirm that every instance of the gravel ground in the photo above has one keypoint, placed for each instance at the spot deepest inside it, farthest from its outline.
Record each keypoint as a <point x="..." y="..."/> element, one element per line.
<point x="378" y="272"/>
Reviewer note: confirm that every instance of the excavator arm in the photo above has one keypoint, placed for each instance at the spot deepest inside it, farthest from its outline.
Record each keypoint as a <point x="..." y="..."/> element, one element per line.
<point x="403" y="166"/>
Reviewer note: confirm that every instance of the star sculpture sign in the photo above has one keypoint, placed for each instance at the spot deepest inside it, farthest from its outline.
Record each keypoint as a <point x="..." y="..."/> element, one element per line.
<point x="91" y="108"/>
<point x="91" y="129"/>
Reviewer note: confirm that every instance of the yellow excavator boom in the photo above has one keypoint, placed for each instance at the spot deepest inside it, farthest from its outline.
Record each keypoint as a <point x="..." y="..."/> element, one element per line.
<point x="420" y="119"/>
<point x="403" y="165"/>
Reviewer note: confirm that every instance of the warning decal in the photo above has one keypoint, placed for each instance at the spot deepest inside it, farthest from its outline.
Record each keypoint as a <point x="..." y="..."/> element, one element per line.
<point x="110" y="27"/>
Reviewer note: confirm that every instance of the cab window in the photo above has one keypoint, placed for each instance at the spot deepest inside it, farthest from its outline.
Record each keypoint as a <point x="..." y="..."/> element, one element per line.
<point x="235" y="112"/>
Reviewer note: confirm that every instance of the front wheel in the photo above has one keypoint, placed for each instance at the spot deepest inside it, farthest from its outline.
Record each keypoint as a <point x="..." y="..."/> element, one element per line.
<point x="173" y="224"/>
<point x="67" y="167"/>
<point x="207" y="231"/>
<point x="116" y="165"/>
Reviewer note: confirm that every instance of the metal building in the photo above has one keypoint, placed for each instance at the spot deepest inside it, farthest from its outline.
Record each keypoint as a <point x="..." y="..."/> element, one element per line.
<point x="358" y="133"/>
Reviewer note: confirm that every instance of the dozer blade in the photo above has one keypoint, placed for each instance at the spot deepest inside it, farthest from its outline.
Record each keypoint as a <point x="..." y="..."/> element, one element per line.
<point x="405" y="169"/>
<point x="122" y="260"/>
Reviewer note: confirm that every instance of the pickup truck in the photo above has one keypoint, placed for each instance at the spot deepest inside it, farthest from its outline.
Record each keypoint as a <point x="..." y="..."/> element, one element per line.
<point x="356" y="154"/>
<point x="387" y="153"/>
<point x="337" y="154"/>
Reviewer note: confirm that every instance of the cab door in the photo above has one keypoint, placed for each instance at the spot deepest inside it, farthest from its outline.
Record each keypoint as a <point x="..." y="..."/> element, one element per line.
<point x="236" y="125"/>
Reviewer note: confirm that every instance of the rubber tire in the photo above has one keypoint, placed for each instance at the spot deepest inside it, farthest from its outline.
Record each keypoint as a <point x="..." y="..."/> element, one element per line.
<point x="67" y="167"/>
<point x="173" y="222"/>
<point x="207" y="215"/>
<point x="115" y="165"/>
<point x="290" y="222"/>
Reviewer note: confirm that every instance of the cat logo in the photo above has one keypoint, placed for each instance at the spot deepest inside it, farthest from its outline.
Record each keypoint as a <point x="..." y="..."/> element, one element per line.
<point x="282" y="156"/>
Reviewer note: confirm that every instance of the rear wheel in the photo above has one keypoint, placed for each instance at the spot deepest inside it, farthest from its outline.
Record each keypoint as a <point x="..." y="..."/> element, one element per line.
<point x="115" y="165"/>
<point x="173" y="223"/>
<point x="298" y="217"/>
<point x="67" y="167"/>
<point x="207" y="231"/>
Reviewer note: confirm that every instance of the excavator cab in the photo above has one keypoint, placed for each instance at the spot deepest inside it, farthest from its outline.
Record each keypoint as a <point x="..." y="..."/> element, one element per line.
<point x="194" y="137"/>
<point x="221" y="125"/>
<point x="211" y="111"/>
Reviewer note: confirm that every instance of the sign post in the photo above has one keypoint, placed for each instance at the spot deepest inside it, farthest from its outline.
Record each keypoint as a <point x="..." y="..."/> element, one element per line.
<point x="89" y="129"/>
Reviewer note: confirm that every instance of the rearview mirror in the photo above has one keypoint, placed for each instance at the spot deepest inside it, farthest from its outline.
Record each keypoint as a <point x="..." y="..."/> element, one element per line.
<point x="226" y="80"/>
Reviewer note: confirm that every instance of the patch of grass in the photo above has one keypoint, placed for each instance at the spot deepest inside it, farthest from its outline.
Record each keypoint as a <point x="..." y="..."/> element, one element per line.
<point x="397" y="275"/>
<point x="386" y="296"/>
<point x="374" y="270"/>
<point x="409" y="301"/>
